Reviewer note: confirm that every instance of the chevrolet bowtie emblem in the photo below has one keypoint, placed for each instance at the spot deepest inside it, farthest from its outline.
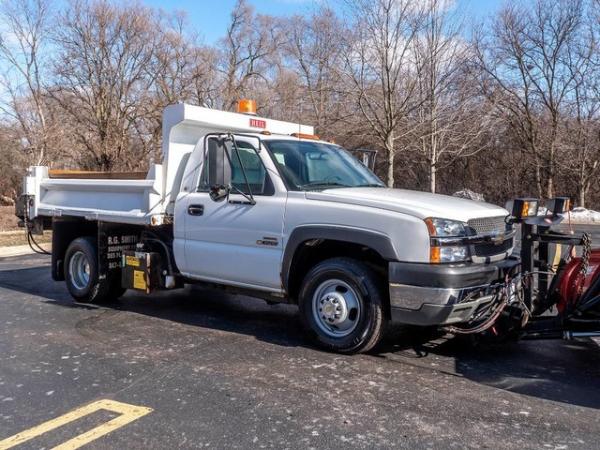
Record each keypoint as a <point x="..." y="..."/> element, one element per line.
<point x="498" y="239"/>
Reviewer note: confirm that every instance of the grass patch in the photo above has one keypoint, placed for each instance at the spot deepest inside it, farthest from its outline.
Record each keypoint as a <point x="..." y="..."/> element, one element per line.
<point x="12" y="238"/>
<point x="8" y="220"/>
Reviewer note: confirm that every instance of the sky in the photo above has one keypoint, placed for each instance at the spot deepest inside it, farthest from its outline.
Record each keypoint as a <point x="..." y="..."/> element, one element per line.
<point x="210" y="17"/>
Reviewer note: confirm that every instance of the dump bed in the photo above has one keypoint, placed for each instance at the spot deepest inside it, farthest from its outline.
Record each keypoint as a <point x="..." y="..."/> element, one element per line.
<point x="112" y="197"/>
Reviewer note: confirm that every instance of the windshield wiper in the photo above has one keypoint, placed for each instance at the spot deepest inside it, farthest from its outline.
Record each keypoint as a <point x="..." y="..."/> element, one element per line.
<point x="369" y="185"/>
<point x="322" y="184"/>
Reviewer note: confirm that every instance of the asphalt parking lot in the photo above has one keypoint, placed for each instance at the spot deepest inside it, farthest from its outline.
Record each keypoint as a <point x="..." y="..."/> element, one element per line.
<point x="200" y="368"/>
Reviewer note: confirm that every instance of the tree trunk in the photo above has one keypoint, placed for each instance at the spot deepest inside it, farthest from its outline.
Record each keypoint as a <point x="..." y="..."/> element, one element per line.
<point x="538" y="179"/>
<point x="551" y="161"/>
<point x="389" y="146"/>
<point x="584" y="188"/>
<point x="550" y="181"/>
<point x="434" y="156"/>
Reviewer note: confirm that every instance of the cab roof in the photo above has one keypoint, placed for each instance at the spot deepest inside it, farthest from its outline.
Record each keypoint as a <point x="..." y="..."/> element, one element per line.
<point x="288" y="137"/>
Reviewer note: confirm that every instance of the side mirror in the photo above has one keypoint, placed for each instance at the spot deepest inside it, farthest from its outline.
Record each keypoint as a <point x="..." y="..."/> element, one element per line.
<point x="219" y="192"/>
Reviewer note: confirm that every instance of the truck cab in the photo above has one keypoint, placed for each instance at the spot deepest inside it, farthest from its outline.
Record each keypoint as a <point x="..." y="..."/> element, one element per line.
<point x="267" y="208"/>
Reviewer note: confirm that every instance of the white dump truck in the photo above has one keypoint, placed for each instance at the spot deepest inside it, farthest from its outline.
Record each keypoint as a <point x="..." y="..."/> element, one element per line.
<point x="267" y="209"/>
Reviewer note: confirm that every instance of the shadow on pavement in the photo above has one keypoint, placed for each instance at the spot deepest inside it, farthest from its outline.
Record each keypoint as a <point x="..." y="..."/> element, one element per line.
<point x="557" y="370"/>
<point x="194" y="306"/>
<point x="566" y="372"/>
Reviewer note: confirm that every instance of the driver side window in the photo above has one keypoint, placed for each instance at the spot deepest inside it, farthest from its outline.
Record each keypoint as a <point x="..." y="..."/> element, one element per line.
<point x="218" y="169"/>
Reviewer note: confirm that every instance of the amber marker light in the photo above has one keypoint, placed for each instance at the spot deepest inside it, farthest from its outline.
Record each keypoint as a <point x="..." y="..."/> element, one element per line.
<point x="434" y="255"/>
<point x="314" y="137"/>
<point x="430" y="226"/>
<point x="247" y="106"/>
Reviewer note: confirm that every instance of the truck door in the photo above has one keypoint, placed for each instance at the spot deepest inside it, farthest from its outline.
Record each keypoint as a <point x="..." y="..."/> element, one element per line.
<point x="232" y="240"/>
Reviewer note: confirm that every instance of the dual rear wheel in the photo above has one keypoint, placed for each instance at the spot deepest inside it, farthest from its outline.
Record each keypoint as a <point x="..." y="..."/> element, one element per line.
<point x="82" y="276"/>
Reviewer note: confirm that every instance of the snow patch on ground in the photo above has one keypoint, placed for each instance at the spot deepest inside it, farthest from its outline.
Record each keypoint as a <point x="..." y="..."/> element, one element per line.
<point x="583" y="215"/>
<point x="577" y="215"/>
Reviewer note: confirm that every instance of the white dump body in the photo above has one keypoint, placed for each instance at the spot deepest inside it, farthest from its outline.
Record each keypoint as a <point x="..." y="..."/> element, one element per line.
<point x="110" y="200"/>
<point x="149" y="201"/>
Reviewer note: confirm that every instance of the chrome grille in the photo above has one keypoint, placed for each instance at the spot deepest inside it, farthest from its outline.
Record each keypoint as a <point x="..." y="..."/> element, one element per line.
<point x="488" y="225"/>
<point x="485" y="250"/>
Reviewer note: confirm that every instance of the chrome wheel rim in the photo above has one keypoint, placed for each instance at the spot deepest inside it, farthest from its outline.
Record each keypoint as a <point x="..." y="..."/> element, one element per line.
<point x="336" y="308"/>
<point x="79" y="270"/>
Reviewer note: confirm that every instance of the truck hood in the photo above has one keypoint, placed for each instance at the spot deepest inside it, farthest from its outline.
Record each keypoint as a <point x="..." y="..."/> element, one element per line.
<point x="414" y="203"/>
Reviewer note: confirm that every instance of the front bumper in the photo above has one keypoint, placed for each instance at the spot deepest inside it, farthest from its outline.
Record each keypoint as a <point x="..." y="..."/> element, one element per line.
<point x="431" y="294"/>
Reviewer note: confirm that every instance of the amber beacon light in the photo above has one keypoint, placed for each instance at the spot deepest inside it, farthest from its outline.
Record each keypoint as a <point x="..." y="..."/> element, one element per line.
<point x="246" y="106"/>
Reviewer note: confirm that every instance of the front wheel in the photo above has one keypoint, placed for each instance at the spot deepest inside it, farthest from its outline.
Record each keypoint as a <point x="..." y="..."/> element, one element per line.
<point x="342" y="305"/>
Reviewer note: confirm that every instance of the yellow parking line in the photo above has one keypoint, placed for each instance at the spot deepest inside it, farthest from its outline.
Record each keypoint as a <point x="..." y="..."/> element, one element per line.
<point x="128" y="412"/>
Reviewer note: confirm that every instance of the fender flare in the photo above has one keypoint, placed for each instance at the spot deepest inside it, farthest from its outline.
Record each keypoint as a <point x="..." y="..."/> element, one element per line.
<point x="379" y="242"/>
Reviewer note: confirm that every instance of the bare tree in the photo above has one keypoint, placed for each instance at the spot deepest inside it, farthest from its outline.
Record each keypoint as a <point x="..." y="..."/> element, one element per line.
<point x="379" y="63"/>
<point x="528" y="78"/>
<point x="25" y="26"/>
<point x="582" y="126"/>
<point x="174" y="60"/>
<point x="314" y="51"/>
<point x="250" y="42"/>
<point x="12" y="161"/>
<point x="182" y="70"/>
<point x="102" y="81"/>
<point x="514" y="112"/>
<point x="452" y="120"/>
<point x="205" y="77"/>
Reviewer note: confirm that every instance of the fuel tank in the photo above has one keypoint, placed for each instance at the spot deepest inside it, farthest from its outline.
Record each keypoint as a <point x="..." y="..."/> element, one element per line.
<point x="573" y="285"/>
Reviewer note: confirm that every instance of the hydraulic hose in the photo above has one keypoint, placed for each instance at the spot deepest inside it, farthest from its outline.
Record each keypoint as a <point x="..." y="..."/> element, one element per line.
<point x="504" y="298"/>
<point x="33" y="245"/>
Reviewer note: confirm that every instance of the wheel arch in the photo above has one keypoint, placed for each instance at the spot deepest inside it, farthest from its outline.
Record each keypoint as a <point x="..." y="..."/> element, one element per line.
<point x="64" y="231"/>
<point x="311" y="244"/>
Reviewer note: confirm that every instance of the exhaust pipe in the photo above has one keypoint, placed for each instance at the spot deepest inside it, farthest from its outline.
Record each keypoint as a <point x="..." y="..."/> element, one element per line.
<point x="570" y="335"/>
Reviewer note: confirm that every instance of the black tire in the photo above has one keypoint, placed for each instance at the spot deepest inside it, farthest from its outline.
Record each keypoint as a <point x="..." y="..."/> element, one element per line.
<point x="91" y="289"/>
<point x="369" y="316"/>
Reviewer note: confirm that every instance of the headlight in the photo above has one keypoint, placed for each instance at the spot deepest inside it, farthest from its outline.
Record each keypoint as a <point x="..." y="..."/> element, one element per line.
<point x="445" y="228"/>
<point x="442" y="231"/>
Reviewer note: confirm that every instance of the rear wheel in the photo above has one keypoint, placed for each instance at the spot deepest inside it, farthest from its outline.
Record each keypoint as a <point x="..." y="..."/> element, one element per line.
<point x="81" y="274"/>
<point x="342" y="306"/>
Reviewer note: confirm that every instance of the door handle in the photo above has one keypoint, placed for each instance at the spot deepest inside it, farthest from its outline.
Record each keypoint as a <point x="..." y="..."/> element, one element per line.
<point x="195" y="210"/>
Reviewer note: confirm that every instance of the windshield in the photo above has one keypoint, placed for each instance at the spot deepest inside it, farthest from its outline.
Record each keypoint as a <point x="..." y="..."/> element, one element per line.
<point x="315" y="165"/>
